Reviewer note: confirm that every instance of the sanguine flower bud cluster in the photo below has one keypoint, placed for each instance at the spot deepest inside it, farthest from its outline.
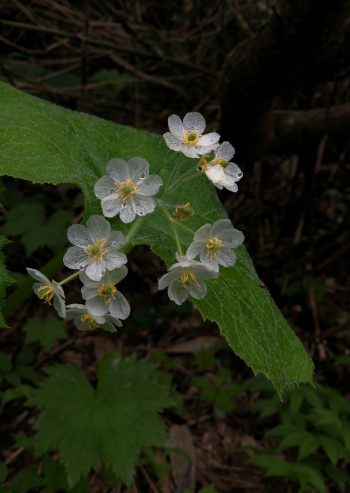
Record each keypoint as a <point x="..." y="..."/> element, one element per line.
<point x="128" y="190"/>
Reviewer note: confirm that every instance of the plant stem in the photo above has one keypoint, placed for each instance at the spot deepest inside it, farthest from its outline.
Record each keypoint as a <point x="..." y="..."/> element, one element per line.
<point x="173" y="172"/>
<point x="69" y="278"/>
<point x="187" y="176"/>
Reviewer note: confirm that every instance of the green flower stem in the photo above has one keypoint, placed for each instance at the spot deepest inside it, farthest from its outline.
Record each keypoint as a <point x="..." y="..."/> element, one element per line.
<point x="173" y="223"/>
<point x="187" y="176"/>
<point x="70" y="278"/>
<point x="173" y="172"/>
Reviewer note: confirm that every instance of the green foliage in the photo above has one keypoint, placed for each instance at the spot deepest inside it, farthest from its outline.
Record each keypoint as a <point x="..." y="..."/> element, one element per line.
<point x="28" y="221"/>
<point x="220" y="391"/>
<point x="313" y="434"/>
<point x="5" y="279"/>
<point x="44" y="143"/>
<point x="45" y="332"/>
<point x="106" y="426"/>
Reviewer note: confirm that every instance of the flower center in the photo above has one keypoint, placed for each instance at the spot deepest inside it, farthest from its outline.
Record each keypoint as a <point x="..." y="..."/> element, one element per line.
<point x="45" y="293"/>
<point x="107" y="291"/>
<point x="221" y="161"/>
<point x="97" y="251"/>
<point x="126" y="189"/>
<point x="191" y="137"/>
<point x="213" y="245"/>
<point x="203" y="163"/>
<point x="183" y="212"/>
<point x="188" y="279"/>
<point x="89" y="320"/>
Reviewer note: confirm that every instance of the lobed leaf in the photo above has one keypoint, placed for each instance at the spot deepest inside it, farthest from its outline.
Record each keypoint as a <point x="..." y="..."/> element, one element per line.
<point x="47" y="144"/>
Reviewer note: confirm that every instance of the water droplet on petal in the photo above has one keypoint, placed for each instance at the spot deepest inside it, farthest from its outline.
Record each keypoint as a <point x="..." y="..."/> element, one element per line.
<point x="114" y="243"/>
<point x="142" y="176"/>
<point x="81" y="267"/>
<point x="123" y="205"/>
<point x="141" y="213"/>
<point x="199" y="168"/>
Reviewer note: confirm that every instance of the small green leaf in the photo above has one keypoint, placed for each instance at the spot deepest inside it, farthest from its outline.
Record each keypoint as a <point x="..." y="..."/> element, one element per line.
<point x="45" y="332"/>
<point x="3" y="471"/>
<point x="103" y="427"/>
<point x="307" y="447"/>
<point x="332" y="448"/>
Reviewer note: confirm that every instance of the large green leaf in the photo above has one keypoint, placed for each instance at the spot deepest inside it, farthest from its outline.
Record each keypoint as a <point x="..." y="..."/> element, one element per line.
<point x="106" y="426"/>
<point x="44" y="143"/>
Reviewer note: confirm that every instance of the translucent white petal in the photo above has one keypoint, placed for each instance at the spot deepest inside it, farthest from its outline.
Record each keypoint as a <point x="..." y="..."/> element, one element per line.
<point x="226" y="257"/>
<point x="220" y="226"/>
<point x="175" y="126"/>
<point x="216" y="175"/>
<point x="111" y="205"/>
<point x="190" y="151"/>
<point x="116" y="275"/>
<point x="234" y="171"/>
<point x="119" y="307"/>
<point x="202" y="272"/>
<point x="209" y="261"/>
<point x="96" y="270"/>
<point x="177" y="292"/>
<point x="127" y="213"/>
<point x="232" y="239"/>
<point x="203" y="233"/>
<point x="150" y="186"/>
<point x="111" y="324"/>
<point x="60" y="306"/>
<point x="98" y="227"/>
<point x="206" y="149"/>
<point x="104" y="187"/>
<point x="208" y="139"/>
<point x="138" y="168"/>
<point x="173" y="142"/>
<point x="97" y="306"/>
<point x="116" y="240"/>
<point x="143" y="205"/>
<point x="88" y="293"/>
<point x="58" y="290"/>
<point x="194" y="249"/>
<point x="75" y="258"/>
<point x="118" y="170"/>
<point x="168" y="278"/>
<point x="230" y="184"/>
<point x="225" y="151"/>
<point x="78" y="235"/>
<point x="194" y="121"/>
<point x="37" y="275"/>
<point x="87" y="281"/>
<point x="115" y="259"/>
<point x="198" y="291"/>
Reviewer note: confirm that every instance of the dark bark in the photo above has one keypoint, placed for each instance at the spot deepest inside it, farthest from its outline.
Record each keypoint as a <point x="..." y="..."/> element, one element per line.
<point x="305" y="42"/>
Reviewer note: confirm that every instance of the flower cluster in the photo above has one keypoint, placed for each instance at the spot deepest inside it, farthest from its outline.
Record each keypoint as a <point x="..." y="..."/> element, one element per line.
<point x="127" y="190"/>
<point x="187" y="137"/>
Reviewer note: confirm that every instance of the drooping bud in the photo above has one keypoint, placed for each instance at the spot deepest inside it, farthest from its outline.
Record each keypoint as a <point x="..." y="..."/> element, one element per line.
<point x="183" y="212"/>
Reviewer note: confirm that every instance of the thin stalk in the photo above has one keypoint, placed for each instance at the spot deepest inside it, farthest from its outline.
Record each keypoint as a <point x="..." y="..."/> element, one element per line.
<point x="69" y="278"/>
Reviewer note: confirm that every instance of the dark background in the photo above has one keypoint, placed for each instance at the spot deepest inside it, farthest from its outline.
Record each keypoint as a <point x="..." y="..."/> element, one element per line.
<point x="273" y="78"/>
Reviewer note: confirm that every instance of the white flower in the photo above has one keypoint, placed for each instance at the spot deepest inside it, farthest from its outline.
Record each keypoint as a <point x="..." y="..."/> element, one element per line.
<point x="85" y="320"/>
<point x="127" y="189"/>
<point x="185" y="278"/>
<point x="214" y="244"/>
<point x="48" y="291"/>
<point x="96" y="248"/>
<point x="103" y="297"/>
<point x="222" y="172"/>
<point x="187" y="136"/>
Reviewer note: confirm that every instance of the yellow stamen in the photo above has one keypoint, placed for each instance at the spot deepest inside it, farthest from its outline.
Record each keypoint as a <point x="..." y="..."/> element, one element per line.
<point x="203" y="163"/>
<point x="188" y="278"/>
<point x="191" y="137"/>
<point x="45" y="293"/>
<point x="97" y="251"/>
<point x="221" y="161"/>
<point x="126" y="189"/>
<point x="89" y="320"/>
<point x="107" y="291"/>
<point x="213" y="245"/>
